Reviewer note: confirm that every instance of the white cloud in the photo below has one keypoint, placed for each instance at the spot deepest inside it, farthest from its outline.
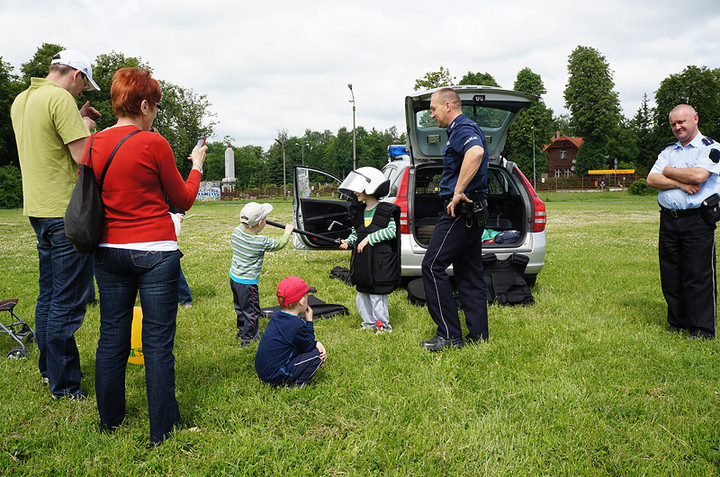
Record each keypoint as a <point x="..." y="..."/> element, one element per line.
<point x="267" y="66"/>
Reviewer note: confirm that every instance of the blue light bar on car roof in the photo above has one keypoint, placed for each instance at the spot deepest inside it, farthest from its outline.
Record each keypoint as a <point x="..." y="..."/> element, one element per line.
<point x="397" y="150"/>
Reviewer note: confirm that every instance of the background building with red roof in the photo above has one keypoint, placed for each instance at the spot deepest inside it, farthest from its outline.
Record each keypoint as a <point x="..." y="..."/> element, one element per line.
<point x="562" y="152"/>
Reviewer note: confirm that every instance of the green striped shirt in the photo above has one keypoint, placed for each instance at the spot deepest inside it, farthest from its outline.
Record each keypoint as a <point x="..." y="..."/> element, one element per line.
<point x="376" y="237"/>
<point x="248" y="253"/>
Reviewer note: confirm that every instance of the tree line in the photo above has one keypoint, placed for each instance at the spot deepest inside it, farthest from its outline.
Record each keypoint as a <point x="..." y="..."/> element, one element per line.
<point x="595" y="113"/>
<point x="590" y="97"/>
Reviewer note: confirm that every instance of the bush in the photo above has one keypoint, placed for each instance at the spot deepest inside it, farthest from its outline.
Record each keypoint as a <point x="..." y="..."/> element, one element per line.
<point x="10" y="187"/>
<point x="640" y="187"/>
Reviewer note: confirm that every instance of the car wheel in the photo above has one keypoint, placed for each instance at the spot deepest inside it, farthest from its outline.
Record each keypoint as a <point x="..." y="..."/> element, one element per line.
<point x="530" y="280"/>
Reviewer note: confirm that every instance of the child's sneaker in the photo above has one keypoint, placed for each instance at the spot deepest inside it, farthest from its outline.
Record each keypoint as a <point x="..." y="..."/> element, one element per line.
<point x="382" y="327"/>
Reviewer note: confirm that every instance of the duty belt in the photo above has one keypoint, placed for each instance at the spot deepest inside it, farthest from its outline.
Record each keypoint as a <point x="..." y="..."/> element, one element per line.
<point x="474" y="196"/>
<point x="677" y="213"/>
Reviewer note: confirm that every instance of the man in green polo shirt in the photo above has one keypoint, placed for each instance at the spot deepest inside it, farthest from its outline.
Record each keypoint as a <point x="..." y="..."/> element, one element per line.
<point x="51" y="134"/>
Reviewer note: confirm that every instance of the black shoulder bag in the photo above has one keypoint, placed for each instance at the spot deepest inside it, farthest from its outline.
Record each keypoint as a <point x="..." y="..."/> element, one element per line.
<point x="85" y="213"/>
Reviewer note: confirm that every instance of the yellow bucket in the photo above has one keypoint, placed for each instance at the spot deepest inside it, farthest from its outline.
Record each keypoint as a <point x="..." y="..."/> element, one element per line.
<point x="136" y="353"/>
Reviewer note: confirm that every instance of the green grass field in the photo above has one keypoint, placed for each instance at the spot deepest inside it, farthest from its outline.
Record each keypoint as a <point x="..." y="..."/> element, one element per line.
<point x="584" y="382"/>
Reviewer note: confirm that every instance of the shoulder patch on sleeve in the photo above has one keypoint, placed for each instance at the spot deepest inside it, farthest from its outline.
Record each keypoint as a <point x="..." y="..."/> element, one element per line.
<point x="714" y="155"/>
<point x="707" y="141"/>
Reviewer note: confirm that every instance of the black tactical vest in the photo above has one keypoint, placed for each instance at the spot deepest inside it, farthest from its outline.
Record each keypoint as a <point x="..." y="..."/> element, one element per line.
<point x="377" y="269"/>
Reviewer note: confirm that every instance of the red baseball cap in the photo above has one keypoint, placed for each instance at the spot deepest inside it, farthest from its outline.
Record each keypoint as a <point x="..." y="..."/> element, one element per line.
<point x="292" y="289"/>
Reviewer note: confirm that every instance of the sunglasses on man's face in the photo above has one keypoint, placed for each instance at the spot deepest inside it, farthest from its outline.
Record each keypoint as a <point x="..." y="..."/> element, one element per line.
<point x="85" y="79"/>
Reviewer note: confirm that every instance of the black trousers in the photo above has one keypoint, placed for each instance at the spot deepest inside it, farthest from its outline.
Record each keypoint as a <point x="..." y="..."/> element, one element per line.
<point x="456" y="241"/>
<point x="687" y="272"/>
<point x="247" y="308"/>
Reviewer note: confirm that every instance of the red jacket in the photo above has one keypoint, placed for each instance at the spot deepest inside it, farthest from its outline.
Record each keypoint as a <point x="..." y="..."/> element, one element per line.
<point x="141" y="174"/>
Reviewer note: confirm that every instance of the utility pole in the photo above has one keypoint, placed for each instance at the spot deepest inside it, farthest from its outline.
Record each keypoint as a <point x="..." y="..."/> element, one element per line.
<point x="533" y="136"/>
<point x="354" y="146"/>
<point x="282" y="143"/>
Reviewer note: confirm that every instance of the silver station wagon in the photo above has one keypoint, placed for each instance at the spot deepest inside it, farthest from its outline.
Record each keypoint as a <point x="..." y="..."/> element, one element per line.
<point x="516" y="215"/>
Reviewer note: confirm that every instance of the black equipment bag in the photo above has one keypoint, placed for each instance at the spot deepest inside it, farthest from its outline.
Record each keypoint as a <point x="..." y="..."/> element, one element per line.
<point x="341" y="273"/>
<point x="416" y="294"/>
<point x="505" y="280"/>
<point x="85" y="213"/>
<point x="319" y="307"/>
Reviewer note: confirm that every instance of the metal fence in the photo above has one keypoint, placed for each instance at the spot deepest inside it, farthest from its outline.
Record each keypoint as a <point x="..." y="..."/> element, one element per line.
<point x="320" y="190"/>
<point x="595" y="182"/>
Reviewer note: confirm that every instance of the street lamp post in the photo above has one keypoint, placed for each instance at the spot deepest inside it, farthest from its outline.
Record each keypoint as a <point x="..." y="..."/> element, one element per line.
<point x="533" y="137"/>
<point x="302" y="151"/>
<point x="282" y="143"/>
<point x="309" y="149"/>
<point x="353" y="103"/>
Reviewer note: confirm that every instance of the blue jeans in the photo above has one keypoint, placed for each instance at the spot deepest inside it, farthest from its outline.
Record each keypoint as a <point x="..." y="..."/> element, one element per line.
<point x="120" y="274"/>
<point x="184" y="296"/>
<point x="65" y="276"/>
<point x="89" y="296"/>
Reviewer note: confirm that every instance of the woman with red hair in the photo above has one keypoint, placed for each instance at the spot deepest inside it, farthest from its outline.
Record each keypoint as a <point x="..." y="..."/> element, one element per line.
<point x="138" y="251"/>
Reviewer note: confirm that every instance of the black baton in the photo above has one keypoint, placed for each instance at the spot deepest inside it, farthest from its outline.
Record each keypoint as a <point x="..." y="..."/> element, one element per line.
<point x="309" y="234"/>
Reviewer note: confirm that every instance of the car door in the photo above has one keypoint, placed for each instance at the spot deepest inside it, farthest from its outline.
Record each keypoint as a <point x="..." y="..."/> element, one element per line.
<point x="319" y="209"/>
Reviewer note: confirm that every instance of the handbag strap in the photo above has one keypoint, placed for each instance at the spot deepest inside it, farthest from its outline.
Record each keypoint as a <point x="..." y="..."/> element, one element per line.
<point x="112" y="155"/>
<point x="87" y="160"/>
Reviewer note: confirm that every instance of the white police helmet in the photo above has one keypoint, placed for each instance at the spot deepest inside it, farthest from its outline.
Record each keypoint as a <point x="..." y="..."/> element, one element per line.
<point x="367" y="180"/>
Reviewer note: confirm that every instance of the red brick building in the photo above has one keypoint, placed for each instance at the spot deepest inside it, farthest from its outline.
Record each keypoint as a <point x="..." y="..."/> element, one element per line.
<point x="562" y="152"/>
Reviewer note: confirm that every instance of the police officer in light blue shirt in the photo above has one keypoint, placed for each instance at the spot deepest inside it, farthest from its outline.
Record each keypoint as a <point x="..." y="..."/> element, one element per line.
<point x="686" y="172"/>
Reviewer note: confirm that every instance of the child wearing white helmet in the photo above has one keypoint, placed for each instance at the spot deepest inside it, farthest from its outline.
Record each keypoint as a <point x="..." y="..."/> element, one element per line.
<point x="375" y="261"/>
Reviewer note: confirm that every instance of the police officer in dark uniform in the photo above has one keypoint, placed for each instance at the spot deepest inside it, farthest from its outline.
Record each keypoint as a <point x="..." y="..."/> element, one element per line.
<point x="686" y="172"/>
<point x="457" y="238"/>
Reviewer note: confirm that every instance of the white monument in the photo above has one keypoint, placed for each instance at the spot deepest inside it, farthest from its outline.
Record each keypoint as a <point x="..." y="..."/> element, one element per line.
<point x="228" y="183"/>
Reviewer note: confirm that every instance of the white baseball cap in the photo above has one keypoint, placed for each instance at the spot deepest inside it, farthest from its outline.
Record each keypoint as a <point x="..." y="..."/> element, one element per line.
<point x="254" y="213"/>
<point x="75" y="59"/>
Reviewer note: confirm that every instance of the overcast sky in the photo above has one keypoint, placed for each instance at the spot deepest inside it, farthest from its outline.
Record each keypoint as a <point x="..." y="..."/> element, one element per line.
<point x="278" y="64"/>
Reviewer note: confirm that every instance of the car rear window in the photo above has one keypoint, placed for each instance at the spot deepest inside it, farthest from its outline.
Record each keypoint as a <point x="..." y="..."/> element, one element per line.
<point x="492" y="119"/>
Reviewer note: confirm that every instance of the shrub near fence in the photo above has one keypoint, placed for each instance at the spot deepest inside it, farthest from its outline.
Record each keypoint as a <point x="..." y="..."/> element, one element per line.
<point x="253" y="194"/>
<point x="585" y="182"/>
<point x="10" y="187"/>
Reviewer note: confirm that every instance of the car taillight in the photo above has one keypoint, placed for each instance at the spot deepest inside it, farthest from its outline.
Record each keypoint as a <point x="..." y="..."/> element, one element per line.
<point x="402" y="202"/>
<point x="538" y="212"/>
<point x="539" y="215"/>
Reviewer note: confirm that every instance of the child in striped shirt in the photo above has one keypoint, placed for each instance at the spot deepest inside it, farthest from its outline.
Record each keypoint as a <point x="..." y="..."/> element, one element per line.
<point x="248" y="252"/>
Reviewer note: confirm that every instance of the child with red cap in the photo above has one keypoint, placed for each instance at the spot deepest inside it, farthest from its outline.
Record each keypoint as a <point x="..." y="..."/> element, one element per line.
<point x="288" y="353"/>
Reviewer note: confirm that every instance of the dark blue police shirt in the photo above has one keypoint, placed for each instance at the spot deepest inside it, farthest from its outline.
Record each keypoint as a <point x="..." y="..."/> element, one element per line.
<point x="463" y="134"/>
